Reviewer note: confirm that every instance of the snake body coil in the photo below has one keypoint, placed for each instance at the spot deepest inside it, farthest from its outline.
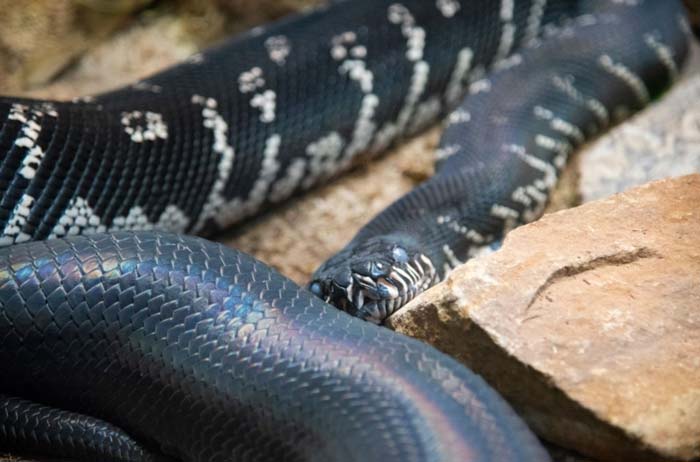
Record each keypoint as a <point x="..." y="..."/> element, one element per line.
<point x="205" y="354"/>
<point x="145" y="346"/>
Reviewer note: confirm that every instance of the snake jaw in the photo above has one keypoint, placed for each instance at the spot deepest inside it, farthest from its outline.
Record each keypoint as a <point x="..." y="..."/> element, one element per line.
<point x="374" y="280"/>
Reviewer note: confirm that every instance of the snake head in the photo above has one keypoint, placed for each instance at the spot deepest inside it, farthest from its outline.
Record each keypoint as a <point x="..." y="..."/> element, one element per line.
<point x="373" y="279"/>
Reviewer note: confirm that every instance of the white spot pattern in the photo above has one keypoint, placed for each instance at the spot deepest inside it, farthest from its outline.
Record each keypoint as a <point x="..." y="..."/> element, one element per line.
<point x="534" y="20"/>
<point x="77" y="218"/>
<point x="236" y="209"/>
<point x="400" y="15"/>
<point x="278" y="49"/>
<point x="213" y="121"/>
<point x="455" y="87"/>
<point x="324" y="155"/>
<point x="566" y="85"/>
<point x="560" y="125"/>
<point x="448" y="8"/>
<point x="253" y="81"/>
<point x="14" y="229"/>
<point x="144" y="126"/>
<point x="507" y="30"/>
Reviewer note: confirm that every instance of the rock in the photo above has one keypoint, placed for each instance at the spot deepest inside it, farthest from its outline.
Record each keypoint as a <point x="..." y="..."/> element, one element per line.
<point x="659" y="142"/>
<point x="39" y="39"/>
<point x="587" y="321"/>
<point x="133" y="53"/>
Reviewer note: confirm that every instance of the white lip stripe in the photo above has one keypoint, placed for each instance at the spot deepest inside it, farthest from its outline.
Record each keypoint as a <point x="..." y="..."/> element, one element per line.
<point x="399" y="279"/>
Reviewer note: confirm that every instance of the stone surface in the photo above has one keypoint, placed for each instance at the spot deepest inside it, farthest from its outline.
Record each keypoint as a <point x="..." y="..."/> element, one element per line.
<point x="40" y="38"/>
<point x="588" y="322"/>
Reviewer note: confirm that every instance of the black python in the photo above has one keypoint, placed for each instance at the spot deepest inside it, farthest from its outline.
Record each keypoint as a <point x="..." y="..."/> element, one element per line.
<point x="195" y="352"/>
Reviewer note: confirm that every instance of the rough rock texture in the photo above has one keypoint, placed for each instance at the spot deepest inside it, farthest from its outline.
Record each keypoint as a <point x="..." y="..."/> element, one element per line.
<point x="659" y="142"/>
<point x="39" y="38"/>
<point x="588" y="322"/>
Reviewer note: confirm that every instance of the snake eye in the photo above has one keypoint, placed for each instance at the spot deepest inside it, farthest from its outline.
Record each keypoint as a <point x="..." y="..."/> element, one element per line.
<point x="377" y="269"/>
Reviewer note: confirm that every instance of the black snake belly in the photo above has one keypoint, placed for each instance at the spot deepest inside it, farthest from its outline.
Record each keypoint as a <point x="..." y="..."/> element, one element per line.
<point x="200" y="353"/>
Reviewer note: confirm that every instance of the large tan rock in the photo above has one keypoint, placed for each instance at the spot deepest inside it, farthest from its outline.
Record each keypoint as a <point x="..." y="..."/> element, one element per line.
<point x="588" y="321"/>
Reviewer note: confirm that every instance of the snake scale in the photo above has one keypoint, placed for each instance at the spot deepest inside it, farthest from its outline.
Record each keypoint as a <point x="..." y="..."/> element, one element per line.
<point x="120" y="341"/>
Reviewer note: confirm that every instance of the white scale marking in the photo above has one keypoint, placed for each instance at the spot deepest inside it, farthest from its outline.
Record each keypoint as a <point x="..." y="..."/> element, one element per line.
<point x="470" y="234"/>
<point x="344" y="48"/>
<point x="141" y="86"/>
<point x="480" y="86"/>
<point x="324" y="155"/>
<point x="664" y="53"/>
<point x="444" y="152"/>
<point x="415" y="36"/>
<point x="30" y="135"/>
<point x="14" y="228"/>
<point x="565" y="85"/>
<point x="452" y="260"/>
<point x="455" y="88"/>
<point x="144" y="126"/>
<point x="289" y="182"/>
<point x="507" y="30"/>
<point x="237" y="208"/>
<point x="213" y="121"/>
<point x="278" y="48"/>
<point x="509" y="62"/>
<point x="448" y="8"/>
<point x="534" y="20"/>
<point x="426" y="113"/>
<point x="560" y="125"/>
<point x="14" y="231"/>
<point x="459" y="116"/>
<point x="533" y="196"/>
<point x="253" y="81"/>
<point x="562" y="148"/>
<point x="625" y="74"/>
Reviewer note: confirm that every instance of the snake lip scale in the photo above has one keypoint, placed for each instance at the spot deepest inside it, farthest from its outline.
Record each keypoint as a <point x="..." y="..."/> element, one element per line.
<point x="123" y="339"/>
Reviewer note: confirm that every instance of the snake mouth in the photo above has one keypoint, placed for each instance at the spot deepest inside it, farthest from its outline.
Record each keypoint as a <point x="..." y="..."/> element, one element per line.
<point x="374" y="299"/>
